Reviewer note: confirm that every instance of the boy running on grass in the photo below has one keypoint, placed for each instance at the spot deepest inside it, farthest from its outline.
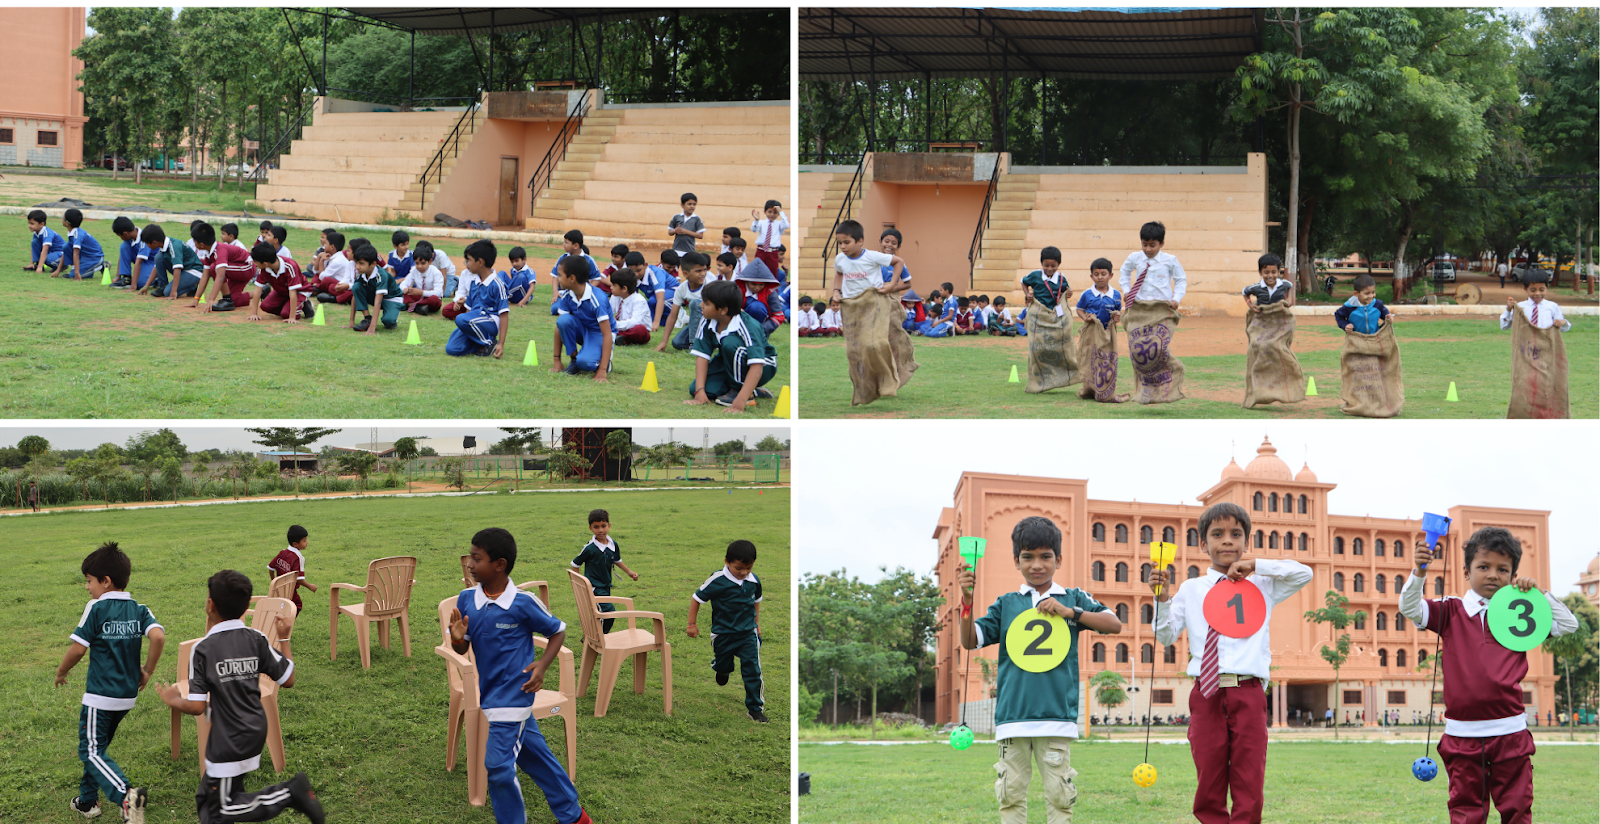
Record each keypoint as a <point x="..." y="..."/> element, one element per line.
<point x="292" y="559"/>
<point x="112" y="627"/>
<point x="598" y="557"/>
<point x="735" y="598"/>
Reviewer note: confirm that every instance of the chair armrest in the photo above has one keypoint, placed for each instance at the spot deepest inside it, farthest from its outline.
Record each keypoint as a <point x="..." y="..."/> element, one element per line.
<point x="658" y="618"/>
<point x="607" y="599"/>
<point x="563" y="665"/>
<point x="444" y="651"/>
<point x="333" y="594"/>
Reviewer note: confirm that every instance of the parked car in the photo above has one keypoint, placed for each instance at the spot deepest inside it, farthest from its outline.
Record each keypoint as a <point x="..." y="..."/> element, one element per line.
<point x="114" y="163"/>
<point x="1521" y="270"/>
<point x="1444" y="271"/>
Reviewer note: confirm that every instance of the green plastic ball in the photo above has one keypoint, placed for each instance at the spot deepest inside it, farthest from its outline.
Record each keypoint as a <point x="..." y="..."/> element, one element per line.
<point x="961" y="737"/>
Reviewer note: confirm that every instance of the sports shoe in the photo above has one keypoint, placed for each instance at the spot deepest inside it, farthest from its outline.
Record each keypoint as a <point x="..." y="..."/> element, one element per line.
<point x="758" y="715"/>
<point x="728" y="399"/>
<point x="324" y="297"/>
<point x="363" y="326"/>
<point x="92" y="812"/>
<point x="763" y="393"/>
<point x="133" y="805"/>
<point x="722" y="679"/>
<point x="224" y="305"/>
<point x="424" y="310"/>
<point x="304" y="799"/>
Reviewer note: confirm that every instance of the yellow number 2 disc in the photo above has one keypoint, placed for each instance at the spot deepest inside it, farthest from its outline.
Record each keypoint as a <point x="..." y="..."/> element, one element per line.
<point x="1038" y="642"/>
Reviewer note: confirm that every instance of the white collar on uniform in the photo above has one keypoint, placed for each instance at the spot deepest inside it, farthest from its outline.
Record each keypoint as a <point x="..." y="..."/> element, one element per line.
<point x="609" y="544"/>
<point x="726" y="574"/>
<point x="223" y="626"/>
<point x="116" y="595"/>
<point x="1055" y="589"/>
<point x="479" y="599"/>
<point x="1475" y="603"/>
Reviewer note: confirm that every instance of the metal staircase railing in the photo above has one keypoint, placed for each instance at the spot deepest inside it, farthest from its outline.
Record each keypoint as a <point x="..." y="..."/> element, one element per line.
<point x="976" y="250"/>
<point x="831" y="246"/>
<point x="263" y="159"/>
<point x="434" y="172"/>
<point x="558" y="149"/>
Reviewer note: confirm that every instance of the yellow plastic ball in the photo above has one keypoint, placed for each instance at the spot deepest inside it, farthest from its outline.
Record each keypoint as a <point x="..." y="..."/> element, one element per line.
<point x="1144" y="775"/>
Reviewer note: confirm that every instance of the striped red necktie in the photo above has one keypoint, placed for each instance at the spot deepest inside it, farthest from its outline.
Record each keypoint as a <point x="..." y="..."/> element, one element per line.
<point x="1536" y="315"/>
<point x="1208" y="665"/>
<point x="767" y="243"/>
<point x="1134" y="292"/>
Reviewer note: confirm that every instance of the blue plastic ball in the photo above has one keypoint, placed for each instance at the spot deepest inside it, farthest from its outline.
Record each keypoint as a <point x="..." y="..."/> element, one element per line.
<point x="1424" y="769"/>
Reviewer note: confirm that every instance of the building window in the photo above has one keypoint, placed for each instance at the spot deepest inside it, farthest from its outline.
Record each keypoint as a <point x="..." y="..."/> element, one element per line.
<point x="1122" y="534"/>
<point x="1147" y="654"/>
<point x="1099" y="531"/>
<point x="1438" y="587"/>
<point x="1288" y="540"/>
<point x="1338" y="546"/>
<point x="1122" y="652"/>
<point x="1399" y="622"/>
<point x="1379" y="583"/>
<point x="1098" y="655"/>
<point x="1527" y="698"/>
<point x="1272" y="541"/>
<point x="1338" y="581"/>
<point x="1377" y="547"/>
<point x="1146" y="535"/>
<point x="1194" y="572"/>
<point x="48" y="138"/>
<point x="1193" y="538"/>
<point x="1272" y="502"/>
<point x="1147" y="613"/>
<point x="1259" y="536"/>
<point x="1397" y="698"/>
<point x="1352" y="697"/>
<point x="1361" y="621"/>
<point x="1383" y="656"/>
<point x="1168" y="534"/>
<point x="1255" y="502"/>
<point x="7" y="136"/>
<point x="1305" y="541"/>
<point x="1357" y="548"/>
<point x="1399" y="584"/>
<point x="1400" y="659"/>
<point x="1097" y="571"/>
<point x="1358" y="583"/>
<point x="1144" y="573"/>
<point x="1122" y="615"/>
<point x="1169" y="655"/>
<point x="1122" y="573"/>
<point x="1161" y="696"/>
<point x="1383" y="621"/>
<point x="1422" y="657"/>
<point x="1438" y="697"/>
<point x="1302" y="504"/>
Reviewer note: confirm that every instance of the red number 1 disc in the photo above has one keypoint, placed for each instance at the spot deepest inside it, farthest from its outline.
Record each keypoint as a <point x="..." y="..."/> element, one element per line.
<point x="1235" y="608"/>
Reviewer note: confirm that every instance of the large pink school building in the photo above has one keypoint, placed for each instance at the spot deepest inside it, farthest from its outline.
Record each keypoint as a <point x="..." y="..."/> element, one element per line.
<point x="41" y="108"/>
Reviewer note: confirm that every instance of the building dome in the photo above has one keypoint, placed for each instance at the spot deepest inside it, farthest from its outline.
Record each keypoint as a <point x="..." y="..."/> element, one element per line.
<point x="1594" y="566"/>
<point x="1305" y="474"/>
<point x="1268" y="465"/>
<point x="1232" y="470"/>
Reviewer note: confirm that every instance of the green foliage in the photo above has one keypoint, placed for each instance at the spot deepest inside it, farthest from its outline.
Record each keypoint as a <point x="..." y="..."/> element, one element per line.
<point x="771" y="444"/>
<point x="563" y="463"/>
<point x="149" y="445"/>
<point x="427" y="452"/>
<point x="1108" y="689"/>
<point x="810" y="706"/>
<point x="728" y="448"/>
<point x="359" y="464"/>
<point x="1577" y="657"/>
<point x="1335" y="615"/>
<point x="33" y="446"/>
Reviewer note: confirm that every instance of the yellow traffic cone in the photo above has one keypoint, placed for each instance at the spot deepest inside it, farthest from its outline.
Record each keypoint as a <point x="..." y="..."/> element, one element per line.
<point x="650" y="384"/>
<point x="1450" y="397"/>
<point x="319" y="320"/>
<point x="781" y="409"/>
<point x="1013" y="378"/>
<point x="1311" y="386"/>
<point x="532" y="357"/>
<point x="412" y="338"/>
<point x="105" y="278"/>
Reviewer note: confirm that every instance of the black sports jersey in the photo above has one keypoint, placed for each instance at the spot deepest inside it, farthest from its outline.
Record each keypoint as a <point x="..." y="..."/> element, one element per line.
<point x="224" y="669"/>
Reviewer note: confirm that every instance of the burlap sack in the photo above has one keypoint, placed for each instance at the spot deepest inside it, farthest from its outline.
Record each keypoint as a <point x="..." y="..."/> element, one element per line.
<point x="878" y="349"/>
<point x="1369" y="374"/>
<point x="1097" y="358"/>
<point x="1538" y="371"/>
<point x="1052" y="359"/>
<point x="1157" y="375"/>
<point x="1272" y="372"/>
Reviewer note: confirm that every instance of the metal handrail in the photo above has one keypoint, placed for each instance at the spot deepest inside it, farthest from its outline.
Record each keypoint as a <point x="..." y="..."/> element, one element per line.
<point x="294" y="128"/>
<point x="831" y="246"/>
<point x="558" y="149"/>
<point x="976" y="250"/>
<point x="452" y="141"/>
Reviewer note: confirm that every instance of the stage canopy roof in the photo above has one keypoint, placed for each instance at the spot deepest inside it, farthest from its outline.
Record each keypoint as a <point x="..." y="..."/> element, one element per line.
<point x="479" y="21"/>
<point x="1082" y="43"/>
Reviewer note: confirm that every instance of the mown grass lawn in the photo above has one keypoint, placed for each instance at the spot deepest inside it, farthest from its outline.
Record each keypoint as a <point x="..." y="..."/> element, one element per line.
<point x="71" y="349"/>
<point x="1309" y="783"/>
<point x="373" y="741"/>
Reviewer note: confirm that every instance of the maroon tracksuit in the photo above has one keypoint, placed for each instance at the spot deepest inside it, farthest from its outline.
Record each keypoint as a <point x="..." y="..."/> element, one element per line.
<point x="232" y="266"/>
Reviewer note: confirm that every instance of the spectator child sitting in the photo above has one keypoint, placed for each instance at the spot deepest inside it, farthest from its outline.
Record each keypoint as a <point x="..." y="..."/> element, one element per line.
<point x="829" y="324"/>
<point x="1000" y="322"/>
<point x="278" y="236"/>
<point x="760" y="289"/>
<point x="571" y="244"/>
<point x="373" y="286"/>
<point x="400" y="261"/>
<point x="628" y="309"/>
<point x="686" y="297"/>
<point x="916" y="311"/>
<point x="422" y="291"/>
<point x="49" y="248"/>
<point x="519" y="279"/>
<point x="965" y="324"/>
<point x="806" y="323"/>
<point x="333" y="284"/>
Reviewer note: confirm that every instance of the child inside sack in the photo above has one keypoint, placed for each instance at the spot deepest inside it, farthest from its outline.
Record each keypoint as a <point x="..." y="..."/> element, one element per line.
<point x="1370" y="383"/>
<point x="1100" y="309"/>
<point x="1539" y="355"/>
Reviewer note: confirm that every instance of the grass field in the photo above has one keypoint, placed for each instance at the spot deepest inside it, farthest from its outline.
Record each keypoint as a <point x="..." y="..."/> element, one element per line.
<point x="83" y="350"/>
<point x="19" y="188"/>
<point x="373" y="741"/>
<point x="1306" y="784"/>
<point x="966" y="377"/>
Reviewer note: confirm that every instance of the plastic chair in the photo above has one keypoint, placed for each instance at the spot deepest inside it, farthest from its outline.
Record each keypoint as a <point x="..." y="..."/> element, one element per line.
<point x="468" y="582"/>
<point x="283" y="587"/>
<point x="465" y="712"/>
<point x="544" y="592"/>
<point x="612" y="648"/>
<point x="388" y="595"/>
<point x="266" y="609"/>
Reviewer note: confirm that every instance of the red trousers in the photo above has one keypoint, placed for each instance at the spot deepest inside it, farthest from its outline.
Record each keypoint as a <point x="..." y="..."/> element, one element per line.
<point x="277" y="303"/>
<point x="1480" y="769"/>
<point x="452" y="309"/>
<point x="326" y="285"/>
<point x="1228" y="740"/>
<point x="431" y="301"/>
<point x="773" y="259"/>
<point x="634" y="335"/>
<point x="235" y="283"/>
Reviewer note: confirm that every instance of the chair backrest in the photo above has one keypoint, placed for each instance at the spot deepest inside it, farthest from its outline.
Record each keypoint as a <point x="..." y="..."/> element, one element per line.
<point x="389" y="583"/>
<point x="466" y="573"/>
<point x="459" y="679"/>
<point x="588" y="610"/>
<point x="266" y="610"/>
<point x="544" y="592"/>
<point x="185" y="652"/>
<point x="283" y="586"/>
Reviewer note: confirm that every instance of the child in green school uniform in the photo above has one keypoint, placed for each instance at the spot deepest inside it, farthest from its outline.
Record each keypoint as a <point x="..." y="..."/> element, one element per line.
<point x="598" y="557"/>
<point x="735" y="598"/>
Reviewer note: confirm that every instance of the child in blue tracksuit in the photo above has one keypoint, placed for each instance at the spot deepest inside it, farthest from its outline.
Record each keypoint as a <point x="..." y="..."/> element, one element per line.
<point x="1363" y="312"/>
<point x="128" y="255"/>
<point x="400" y="261"/>
<point x="583" y="320"/>
<point x="49" y="248"/>
<point x="482" y="326"/>
<point x="497" y="622"/>
<point x="572" y="246"/>
<point x="942" y="324"/>
<point x="85" y="258"/>
<point x="658" y="287"/>
<point x="519" y="279"/>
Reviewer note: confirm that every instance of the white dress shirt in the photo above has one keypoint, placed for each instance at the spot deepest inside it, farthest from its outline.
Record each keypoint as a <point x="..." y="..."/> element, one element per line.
<point x="1549" y="314"/>
<point x="1164" y="281"/>
<point x="339" y="268"/>
<point x="807" y="320"/>
<point x="759" y="231"/>
<point x="429" y="279"/>
<point x="629" y="312"/>
<point x="1277" y="579"/>
<point x="830" y="320"/>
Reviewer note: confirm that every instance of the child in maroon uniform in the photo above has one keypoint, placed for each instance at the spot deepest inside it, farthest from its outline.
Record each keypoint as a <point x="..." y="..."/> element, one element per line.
<point x="1486" y="746"/>
<point x="283" y="290"/>
<point x="293" y="559"/>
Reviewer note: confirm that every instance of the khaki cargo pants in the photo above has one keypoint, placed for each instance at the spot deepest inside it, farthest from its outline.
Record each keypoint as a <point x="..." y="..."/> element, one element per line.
<point x="1015" y="770"/>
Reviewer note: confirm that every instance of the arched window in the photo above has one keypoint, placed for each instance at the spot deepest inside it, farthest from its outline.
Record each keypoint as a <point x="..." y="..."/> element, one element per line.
<point x="1438" y="587"/>
<point x="1255" y="502"/>
<point x="1288" y="540"/>
<point x="1399" y="622"/>
<point x="1302" y="504"/>
<point x="1147" y="654"/>
<point x="1172" y="572"/>
<point x="1399" y="584"/>
<point x="1097" y="571"/>
<point x="1361" y="622"/>
<point x="1122" y="533"/>
<point x="1305" y="542"/>
<point x="1358" y="583"/>
<point x="1168" y="534"/>
<point x="1099" y="532"/>
<point x="1193" y="538"/>
<point x="1122" y="573"/>
<point x="1144" y="573"/>
<point x="1422" y="657"/>
<point x="1146" y="534"/>
<point x="1194" y="571"/>
<point x="1338" y="581"/>
<point x="1338" y="545"/>
<point x="1383" y="621"/>
<point x="1377" y="547"/>
<point x="1169" y="655"/>
<point x="1122" y="613"/>
<point x="1260" y="536"/>
<point x="1272" y="541"/>
<point x="1099" y="654"/>
<point x="1146" y="613"/>
<point x="1357" y="547"/>
<point x="1383" y="657"/>
<point x="1122" y="653"/>
<point x="1400" y="658"/>
<point x="1379" y="582"/>
<point x="1288" y="503"/>
<point x="1272" y="502"/>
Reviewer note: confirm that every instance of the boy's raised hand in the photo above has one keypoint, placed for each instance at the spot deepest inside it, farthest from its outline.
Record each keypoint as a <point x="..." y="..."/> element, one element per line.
<point x="1511" y="303"/>
<point x="1159" y="578"/>
<point x="458" y="627"/>
<point x="1242" y="568"/>
<point x="966" y="580"/>
<point x="1422" y="556"/>
<point x="1524" y="583"/>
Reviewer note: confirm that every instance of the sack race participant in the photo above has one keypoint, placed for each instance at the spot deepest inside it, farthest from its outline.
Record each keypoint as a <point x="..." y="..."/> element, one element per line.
<point x="878" y="349"/>
<point x="1272" y="372"/>
<point x="1097" y="355"/>
<point x="1370" y="385"/>
<point x="1052" y="359"/>
<point x="1157" y="375"/>
<point x="1538" y="354"/>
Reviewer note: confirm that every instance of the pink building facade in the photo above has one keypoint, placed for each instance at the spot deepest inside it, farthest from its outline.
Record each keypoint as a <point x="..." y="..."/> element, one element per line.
<point x="41" y="108"/>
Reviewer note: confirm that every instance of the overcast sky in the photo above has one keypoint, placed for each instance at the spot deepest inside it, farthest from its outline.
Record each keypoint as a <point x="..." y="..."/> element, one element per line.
<point x="868" y="496"/>
<point x="65" y="435"/>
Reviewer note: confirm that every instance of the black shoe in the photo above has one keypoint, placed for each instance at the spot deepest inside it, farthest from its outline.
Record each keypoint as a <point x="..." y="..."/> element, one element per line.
<point x="722" y="679"/>
<point x="365" y="324"/>
<point x="425" y="310"/>
<point x="224" y="305"/>
<point x="303" y="799"/>
<point x="324" y="297"/>
<point x="763" y="393"/>
<point x="728" y="399"/>
<point x="758" y="715"/>
<point x="86" y="812"/>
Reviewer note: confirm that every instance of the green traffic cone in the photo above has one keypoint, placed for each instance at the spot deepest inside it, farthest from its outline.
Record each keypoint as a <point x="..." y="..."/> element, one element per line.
<point x="1450" y="397"/>
<point x="532" y="357"/>
<point x="1311" y="386"/>
<point x="1013" y="378"/>
<point x="317" y="318"/>
<point x="105" y="278"/>
<point x="412" y="338"/>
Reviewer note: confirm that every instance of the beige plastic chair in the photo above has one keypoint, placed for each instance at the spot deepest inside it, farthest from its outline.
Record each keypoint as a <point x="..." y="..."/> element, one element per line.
<point x="280" y="587"/>
<point x="465" y="712"/>
<point x="388" y="596"/>
<point x="467" y="580"/>
<point x="612" y="648"/>
<point x="544" y="592"/>
<point x="266" y="610"/>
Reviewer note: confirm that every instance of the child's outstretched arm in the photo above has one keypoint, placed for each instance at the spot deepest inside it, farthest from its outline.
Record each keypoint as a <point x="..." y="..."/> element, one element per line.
<point x="158" y="641"/>
<point x="75" y="653"/>
<point x="1412" y="603"/>
<point x="693" y="629"/>
<point x="172" y="698"/>
<point x="505" y="330"/>
<point x="606" y="334"/>
<point x="666" y="329"/>
<point x="630" y="573"/>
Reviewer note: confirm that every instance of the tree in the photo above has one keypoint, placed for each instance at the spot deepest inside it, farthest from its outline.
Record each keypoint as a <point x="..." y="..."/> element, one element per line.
<point x="874" y="636"/>
<point x="198" y="466"/>
<point x="1576" y="649"/>
<point x="727" y="448"/>
<point x="454" y="471"/>
<point x="1335" y="615"/>
<point x="149" y="445"/>
<point x="147" y="468"/>
<point x="291" y="439"/>
<point x="405" y="449"/>
<point x="427" y="452"/>
<point x="769" y="444"/>
<point x="172" y="475"/>
<point x="33" y="446"/>
<point x="241" y="468"/>
<point x="1108" y="692"/>
<point x="358" y="463"/>
<point x="619" y="447"/>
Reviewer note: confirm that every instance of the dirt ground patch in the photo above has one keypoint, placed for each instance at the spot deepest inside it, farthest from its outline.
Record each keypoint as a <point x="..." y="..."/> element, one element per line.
<point x="27" y="190"/>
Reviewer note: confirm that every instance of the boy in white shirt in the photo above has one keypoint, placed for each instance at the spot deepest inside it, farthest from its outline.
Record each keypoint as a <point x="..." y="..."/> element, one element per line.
<point x="1227" y="702"/>
<point x="422" y="291"/>
<point x="806" y="323"/>
<point x="1538" y="356"/>
<point x="278" y="236"/>
<point x="856" y="268"/>
<point x="768" y="234"/>
<point x="1153" y="284"/>
<point x="829" y="323"/>
<point x="338" y="272"/>
<point x="692" y="267"/>
<point x="1000" y="321"/>
<point x="1541" y="313"/>
<point x="425" y="254"/>
<point x="630" y="314"/>
<point x="1151" y="274"/>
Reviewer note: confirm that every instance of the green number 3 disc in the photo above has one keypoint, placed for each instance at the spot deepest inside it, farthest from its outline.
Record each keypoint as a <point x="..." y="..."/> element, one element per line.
<point x="1038" y="642"/>
<point x="1519" y="620"/>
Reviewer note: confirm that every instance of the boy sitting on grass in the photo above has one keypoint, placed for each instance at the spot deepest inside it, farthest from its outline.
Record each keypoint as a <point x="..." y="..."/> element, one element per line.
<point x="519" y="278"/>
<point x="87" y="257"/>
<point x="112" y="627"/>
<point x="424" y="288"/>
<point x="583" y="320"/>
<point x="1000" y="322"/>
<point x="629" y="311"/>
<point x="338" y="272"/>
<point x="282" y="291"/>
<point x="735" y="597"/>
<point x="484" y="318"/>
<point x="400" y="262"/>
<point x="733" y="360"/>
<point x="49" y="248"/>
<point x="373" y="284"/>
<point x="687" y="296"/>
